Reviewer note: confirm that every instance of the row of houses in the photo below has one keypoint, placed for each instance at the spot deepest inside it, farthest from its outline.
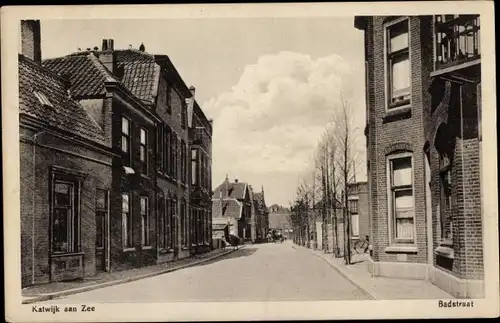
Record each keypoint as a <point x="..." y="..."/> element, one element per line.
<point x="241" y="211"/>
<point x="328" y="233"/>
<point x="423" y="137"/>
<point x="115" y="162"/>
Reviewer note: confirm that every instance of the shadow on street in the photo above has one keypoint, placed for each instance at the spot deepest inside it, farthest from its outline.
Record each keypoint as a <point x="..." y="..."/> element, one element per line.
<point x="245" y="252"/>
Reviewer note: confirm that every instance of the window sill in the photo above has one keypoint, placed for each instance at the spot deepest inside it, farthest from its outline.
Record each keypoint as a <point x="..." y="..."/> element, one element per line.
<point x="445" y="252"/>
<point x="397" y="113"/>
<point x="164" y="251"/>
<point x="401" y="249"/>
<point x="184" y="248"/>
<point x="67" y="254"/>
<point x="128" y="249"/>
<point x="145" y="176"/>
<point x="147" y="247"/>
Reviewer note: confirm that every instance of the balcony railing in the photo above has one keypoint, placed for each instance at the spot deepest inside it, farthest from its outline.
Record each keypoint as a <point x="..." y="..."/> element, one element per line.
<point x="457" y="39"/>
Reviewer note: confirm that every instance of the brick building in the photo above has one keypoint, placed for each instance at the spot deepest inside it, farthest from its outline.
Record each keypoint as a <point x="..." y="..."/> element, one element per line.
<point x="423" y="136"/>
<point x="261" y="216"/>
<point x="200" y="143"/>
<point x="65" y="166"/>
<point x="99" y="82"/>
<point x="232" y="200"/>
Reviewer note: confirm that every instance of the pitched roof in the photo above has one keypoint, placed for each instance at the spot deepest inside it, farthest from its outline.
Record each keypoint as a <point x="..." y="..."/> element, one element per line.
<point x="236" y="190"/>
<point x="140" y="72"/>
<point x="86" y="73"/>
<point x="62" y="111"/>
<point x="228" y="208"/>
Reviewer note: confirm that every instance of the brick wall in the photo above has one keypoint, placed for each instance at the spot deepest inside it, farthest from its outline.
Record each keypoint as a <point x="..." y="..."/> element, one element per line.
<point x="30" y="39"/>
<point x="38" y="186"/>
<point x="391" y="134"/>
<point x="173" y="120"/>
<point x="136" y="185"/>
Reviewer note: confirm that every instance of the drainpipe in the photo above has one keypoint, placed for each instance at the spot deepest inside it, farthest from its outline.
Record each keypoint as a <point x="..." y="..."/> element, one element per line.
<point x="463" y="173"/>
<point x="34" y="138"/>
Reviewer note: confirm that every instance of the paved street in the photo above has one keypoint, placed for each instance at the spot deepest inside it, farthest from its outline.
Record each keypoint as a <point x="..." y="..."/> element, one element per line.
<point x="267" y="272"/>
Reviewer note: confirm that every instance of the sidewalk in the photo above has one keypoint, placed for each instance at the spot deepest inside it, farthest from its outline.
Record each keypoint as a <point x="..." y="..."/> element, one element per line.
<point x="50" y="291"/>
<point x="381" y="288"/>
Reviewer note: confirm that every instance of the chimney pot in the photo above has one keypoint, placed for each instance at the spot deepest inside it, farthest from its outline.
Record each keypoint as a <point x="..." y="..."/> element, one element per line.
<point x="236" y="180"/>
<point x="104" y="44"/>
<point x="142" y="48"/>
<point x="111" y="44"/>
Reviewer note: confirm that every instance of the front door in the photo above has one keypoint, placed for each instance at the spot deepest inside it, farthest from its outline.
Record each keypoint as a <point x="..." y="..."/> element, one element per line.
<point x="100" y="230"/>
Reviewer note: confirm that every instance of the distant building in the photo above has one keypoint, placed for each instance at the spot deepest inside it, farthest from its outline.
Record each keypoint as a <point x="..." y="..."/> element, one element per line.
<point x="262" y="215"/>
<point x="279" y="219"/>
<point x="231" y="200"/>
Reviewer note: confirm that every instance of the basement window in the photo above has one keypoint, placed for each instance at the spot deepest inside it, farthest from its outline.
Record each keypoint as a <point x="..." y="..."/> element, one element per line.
<point x="43" y="99"/>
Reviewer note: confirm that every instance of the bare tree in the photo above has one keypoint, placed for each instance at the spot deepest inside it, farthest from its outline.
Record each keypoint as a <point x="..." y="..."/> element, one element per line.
<point x="346" y="159"/>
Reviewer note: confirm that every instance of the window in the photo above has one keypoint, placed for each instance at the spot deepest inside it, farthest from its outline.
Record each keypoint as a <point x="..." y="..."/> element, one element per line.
<point x="169" y="99"/>
<point x="65" y="217"/>
<point x="125" y="142"/>
<point x="145" y="221"/>
<point x="43" y="99"/>
<point x="207" y="227"/>
<point x="183" y="115"/>
<point x="161" y="222"/>
<point x="127" y="224"/>
<point x="168" y="151"/>
<point x="143" y="150"/>
<point x="159" y="148"/>
<point x="353" y="206"/>
<point x="169" y="212"/>
<point x="398" y="64"/>
<point x="183" y="162"/>
<point x="184" y="224"/>
<point x="174" y="155"/>
<point x="194" y="170"/>
<point x="445" y="181"/>
<point x="173" y="227"/>
<point x="101" y="207"/>
<point x="401" y="199"/>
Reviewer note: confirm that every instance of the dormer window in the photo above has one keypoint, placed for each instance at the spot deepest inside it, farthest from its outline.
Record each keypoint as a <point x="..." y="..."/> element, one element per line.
<point x="43" y="99"/>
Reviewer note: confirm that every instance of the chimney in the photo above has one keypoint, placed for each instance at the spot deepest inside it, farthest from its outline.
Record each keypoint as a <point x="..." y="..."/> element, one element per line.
<point x="30" y="40"/>
<point x="108" y="55"/>
<point x="142" y="48"/>
<point x="236" y="180"/>
<point x="192" y="89"/>
<point x="227" y="185"/>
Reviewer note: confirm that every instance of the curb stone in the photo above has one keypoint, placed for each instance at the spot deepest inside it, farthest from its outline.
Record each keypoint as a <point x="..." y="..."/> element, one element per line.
<point x="56" y="295"/>
<point x="346" y="275"/>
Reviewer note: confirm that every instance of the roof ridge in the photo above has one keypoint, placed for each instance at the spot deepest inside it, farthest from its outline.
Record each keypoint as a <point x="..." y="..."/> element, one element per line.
<point x="42" y="68"/>
<point x="101" y="68"/>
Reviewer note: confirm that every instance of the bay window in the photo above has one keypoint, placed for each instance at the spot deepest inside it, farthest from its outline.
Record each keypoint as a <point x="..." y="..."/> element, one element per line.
<point x="398" y="64"/>
<point x="401" y="204"/>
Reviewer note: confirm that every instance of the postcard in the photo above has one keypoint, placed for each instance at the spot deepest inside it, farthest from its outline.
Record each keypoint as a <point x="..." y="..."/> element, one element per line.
<point x="224" y="162"/>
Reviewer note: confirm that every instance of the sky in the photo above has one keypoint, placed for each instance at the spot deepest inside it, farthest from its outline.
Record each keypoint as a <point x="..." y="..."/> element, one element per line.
<point x="270" y="84"/>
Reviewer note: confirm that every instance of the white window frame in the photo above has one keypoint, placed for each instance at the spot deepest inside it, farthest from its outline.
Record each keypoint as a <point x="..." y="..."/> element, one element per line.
<point x="125" y="223"/>
<point x="354" y="198"/>
<point x="387" y="90"/>
<point x="390" y="216"/>
<point x="145" y="145"/>
<point x="145" y="219"/>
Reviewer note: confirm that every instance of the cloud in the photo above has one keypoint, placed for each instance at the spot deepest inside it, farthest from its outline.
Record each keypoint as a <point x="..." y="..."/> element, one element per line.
<point x="272" y="118"/>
